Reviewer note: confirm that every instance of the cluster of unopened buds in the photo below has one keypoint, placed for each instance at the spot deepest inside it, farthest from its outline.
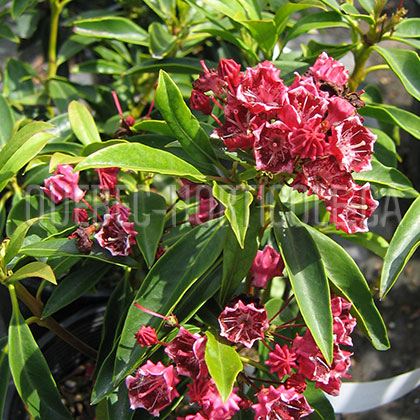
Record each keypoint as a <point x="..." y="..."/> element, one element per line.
<point x="113" y="231"/>
<point x="244" y="323"/>
<point x="309" y="133"/>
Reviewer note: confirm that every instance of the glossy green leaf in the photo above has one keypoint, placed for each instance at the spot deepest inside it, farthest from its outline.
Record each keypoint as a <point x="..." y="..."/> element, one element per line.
<point x="368" y="5"/>
<point x="172" y="65"/>
<point x="31" y="374"/>
<point x="73" y="45"/>
<point x="224" y="364"/>
<point x="406" y="65"/>
<point x="307" y="277"/>
<point x="82" y="123"/>
<point x="112" y="27"/>
<point x="385" y="150"/>
<point x="156" y="126"/>
<point x="404" y="242"/>
<point x="345" y="275"/>
<point x="316" y="398"/>
<point x="118" y="405"/>
<point x="62" y="93"/>
<point x="139" y="157"/>
<point x="99" y="66"/>
<point x="18" y="82"/>
<point x="408" y="28"/>
<point x="19" y="6"/>
<point x="34" y="269"/>
<point x="21" y="157"/>
<point x="318" y="20"/>
<point x="385" y="176"/>
<point x="94" y="147"/>
<point x="7" y="121"/>
<point x="181" y="121"/>
<point x="27" y="24"/>
<point x="67" y="248"/>
<point x="6" y="32"/>
<point x="149" y="211"/>
<point x="233" y="9"/>
<point x="263" y="31"/>
<point x="166" y="284"/>
<point x="391" y="114"/>
<point x="4" y="372"/>
<point x="236" y="260"/>
<point x="237" y="202"/>
<point x="161" y="41"/>
<point x="333" y="4"/>
<point x="16" y="240"/>
<point x="74" y="285"/>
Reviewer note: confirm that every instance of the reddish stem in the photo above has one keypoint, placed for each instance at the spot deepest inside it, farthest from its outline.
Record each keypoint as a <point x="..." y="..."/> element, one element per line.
<point x="283" y="337"/>
<point x="281" y="309"/>
<point x="117" y="104"/>
<point x="92" y="210"/>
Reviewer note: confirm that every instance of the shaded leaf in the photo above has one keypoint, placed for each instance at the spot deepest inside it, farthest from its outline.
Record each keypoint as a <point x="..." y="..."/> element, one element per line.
<point x="82" y="123"/>
<point x="172" y="65"/>
<point x="62" y="93"/>
<point x="404" y="242"/>
<point x="73" y="45"/>
<point x="7" y="121"/>
<point x="19" y="6"/>
<point x="156" y="126"/>
<point x="34" y="269"/>
<point x="319" y="402"/>
<point x="348" y="279"/>
<point x="99" y="66"/>
<point x="6" y="32"/>
<point x="307" y="277"/>
<point x="223" y="363"/>
<point x="31" y="374"/>
<point x="161" y="41"/>
<point x="408" y="28"/>
<point x="385" y="150"/>
<point x="4" y="372"/>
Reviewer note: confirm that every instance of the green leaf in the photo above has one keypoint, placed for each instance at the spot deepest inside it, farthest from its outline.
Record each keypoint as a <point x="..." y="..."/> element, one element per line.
<point x="112" y="27"/>
<point x="307" y="277"/>
<point x="348" y="279"/>
<point x="408" y="28"/>
<point x="139" y="157"/>
<point x="19" y="6"/>
<point x="18" y="80"/>
<point x="391" y="114"/>
<point x="333" y="4"/>
<point x="407" y="41"/>
<point x="166" y="284"/>
<point x="264" y="32"/>
<point x="368" y="5"/>
<point x="7" y="121"/>
<point x="82" y="123"/>
<point x="16" y="240"/>
<point x="73" y="45"/>
<point x="4" y="372"/>
<point x="224" y="365"/>
<point x="237" y="201"/>
<point x="74" y="285"/>
<point x="385" y="150"/>
<point x="404" y="242"/>
<point x="318" y="20"/>
<point x="181" y="121"/>
<point x="34" y="269"/>
<point x="161" y="40"/>
<point x="156" y="126"/>
<point x="6" y="32"/>
<point x="165" y="9"/>
<point x="149" y="211"/>
<point x="233" y="9"/>
<point x="406" y="65"/>
<point x="118" y="405"/>
<point x="21" y="157"/>
<point x="62" y="93"/>
<point x="319" y="402"/>
<point x="236" y="260"/>
<point x="172" y="65"/>
<point x="31" y="374"/>
<point x="67" y="248"/>
<point x="388" y="177"/>
<point x="99" y="66"/>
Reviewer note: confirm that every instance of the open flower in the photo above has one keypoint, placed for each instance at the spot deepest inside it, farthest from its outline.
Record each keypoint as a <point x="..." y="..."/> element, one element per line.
<point x="63" y="184"/>
<point x="153" y="387"/>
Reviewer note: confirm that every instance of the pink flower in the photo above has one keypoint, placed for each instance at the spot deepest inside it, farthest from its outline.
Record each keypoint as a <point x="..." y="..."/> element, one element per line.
<point x="272" y="147"/>
<point x="117" y="234"/>
<point x="191" y="189"/>
<point x="327" y="69"/>
<point x="229" y="70"/>
<point x="296" y="381"/>
<point x="146" y="336"/>
<point x="63" y="184"/>
<point x="352" y="144"/>
<point x="79" y="215"/>
<point x="281" y="360"/>
<point x="108" y="180"/>
<point x="339" y="109"/>
<point x="343" y="322"/>
<point x="208" y="209"/>
<point x="187" y="351"/>
<point x="210" y="81"/>
<point x="266" y="265"/>
<point x="280" y="403"/>
<point x="243" y="323"/>
<point x="204" y="392"/>
<point x="153" y="387"/>
<point x="200" y="102"/>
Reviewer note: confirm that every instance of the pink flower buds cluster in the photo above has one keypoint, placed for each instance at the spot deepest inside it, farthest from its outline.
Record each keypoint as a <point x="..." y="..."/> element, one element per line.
<point x="116" y="233"/>
<point x="310" y="132"/>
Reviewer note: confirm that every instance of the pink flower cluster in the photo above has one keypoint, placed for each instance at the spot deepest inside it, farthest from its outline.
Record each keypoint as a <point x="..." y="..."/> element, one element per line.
<point x="243" y="322"/>
<point x="310" y="132"/>
<point x="116" y="233"/>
